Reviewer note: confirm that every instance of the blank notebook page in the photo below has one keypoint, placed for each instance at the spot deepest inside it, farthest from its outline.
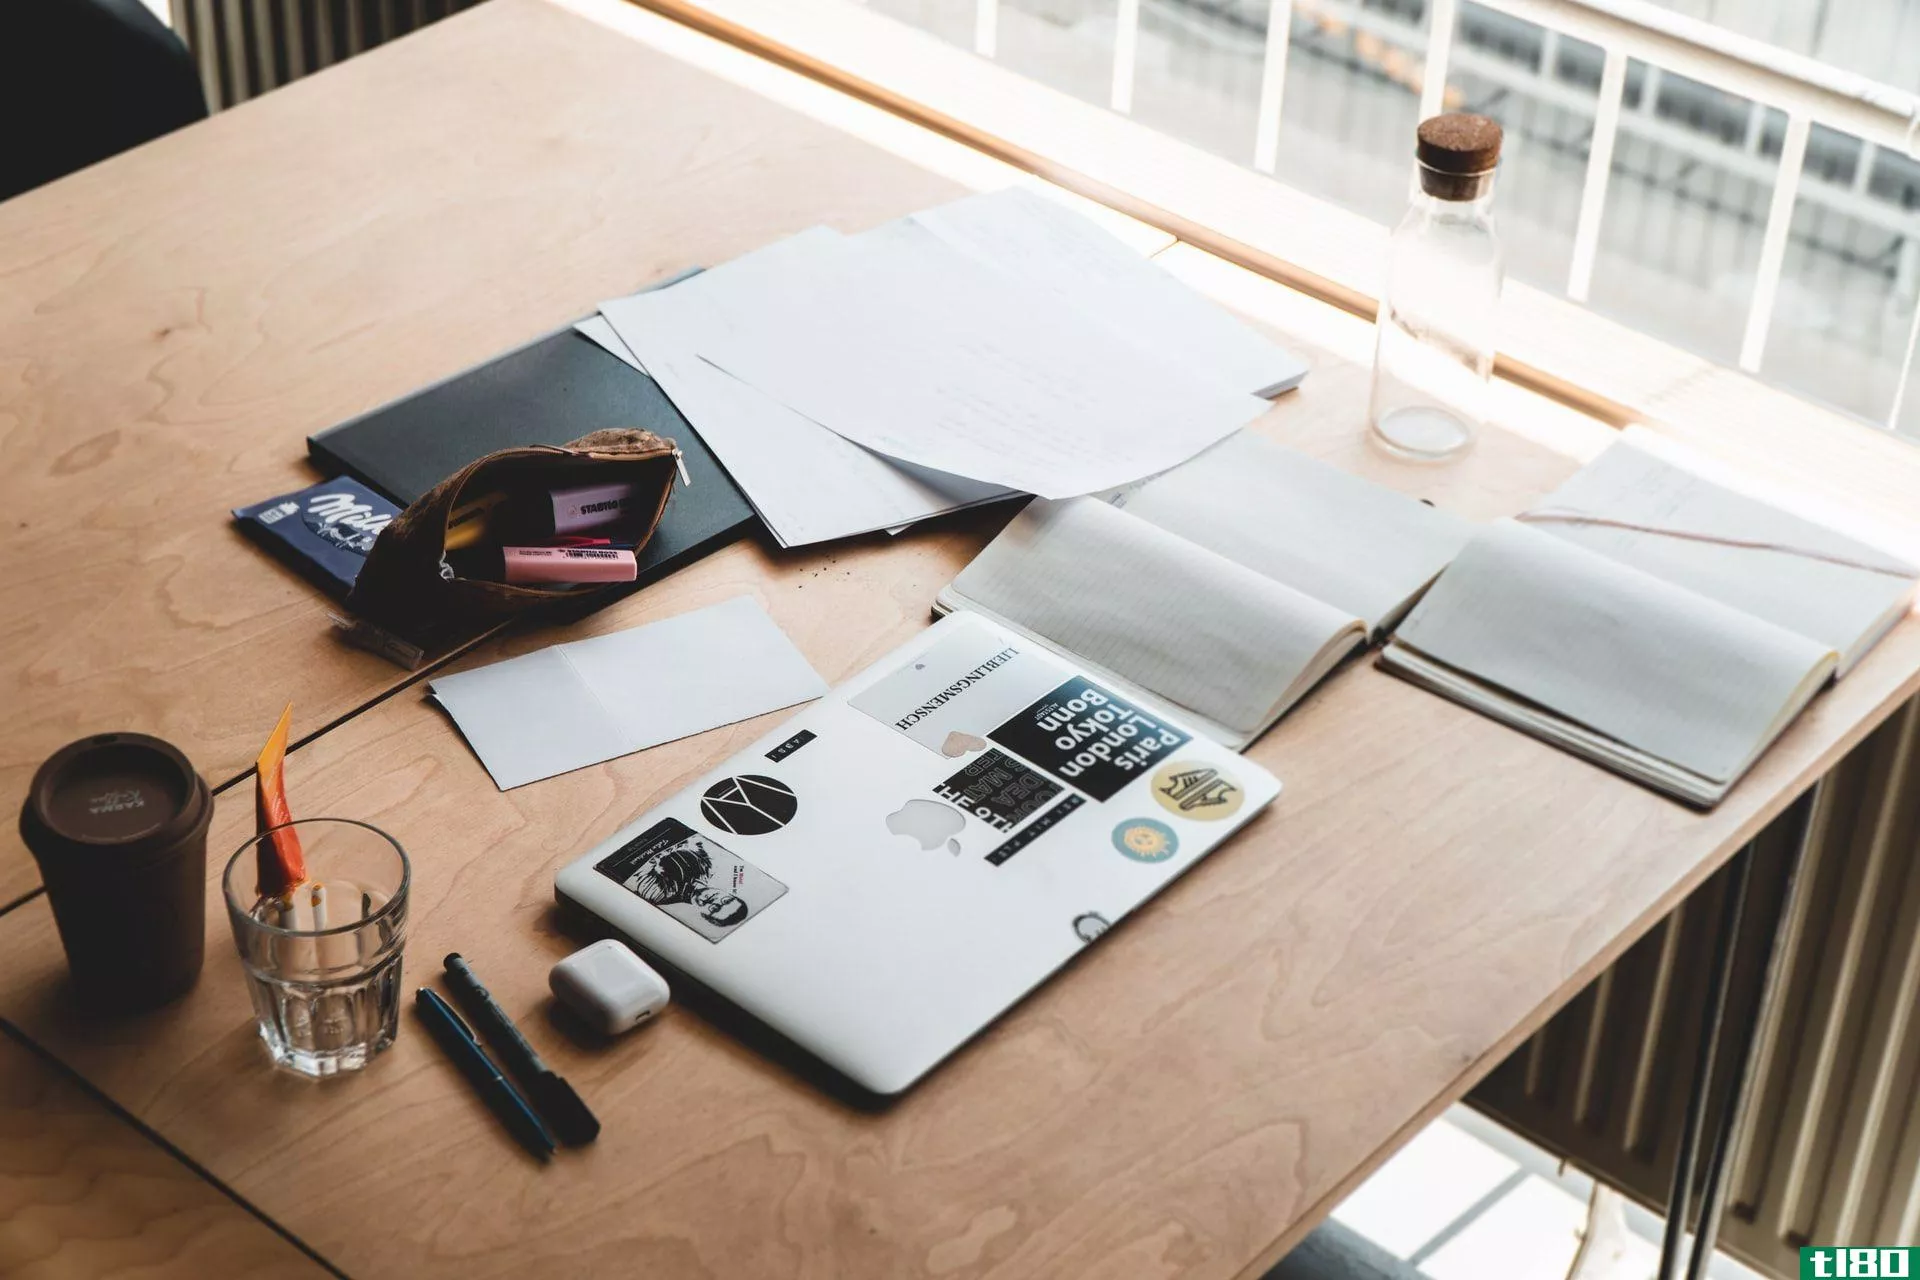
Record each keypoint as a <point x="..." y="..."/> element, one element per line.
<point x="1679" y="676"/>
<point x="1842" y="605"/>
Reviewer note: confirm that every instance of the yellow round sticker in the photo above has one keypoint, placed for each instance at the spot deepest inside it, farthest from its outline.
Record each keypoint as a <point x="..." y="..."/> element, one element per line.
<point x="1195" y="790"/>
<point x="1146" y="840"/>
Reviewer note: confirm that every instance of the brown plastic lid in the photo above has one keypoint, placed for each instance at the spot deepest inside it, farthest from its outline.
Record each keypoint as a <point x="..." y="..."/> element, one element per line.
<point x="127" y="797"/>
<point x="1459" y="143"/>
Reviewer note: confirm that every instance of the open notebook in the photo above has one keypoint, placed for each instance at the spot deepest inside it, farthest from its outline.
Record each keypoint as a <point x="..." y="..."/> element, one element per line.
<point x="1225" y="588"/>
<point x="1651" y="620"/>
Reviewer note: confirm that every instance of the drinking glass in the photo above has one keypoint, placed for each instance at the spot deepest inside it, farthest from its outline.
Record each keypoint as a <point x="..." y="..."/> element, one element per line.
<point x="323" y="960"/>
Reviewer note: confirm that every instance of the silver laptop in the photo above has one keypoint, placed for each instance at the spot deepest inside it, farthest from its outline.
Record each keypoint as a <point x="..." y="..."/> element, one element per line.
<point x="885" y="873"/>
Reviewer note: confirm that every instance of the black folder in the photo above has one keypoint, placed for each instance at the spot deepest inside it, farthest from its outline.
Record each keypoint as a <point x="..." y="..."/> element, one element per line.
<point x="550" y="391"/>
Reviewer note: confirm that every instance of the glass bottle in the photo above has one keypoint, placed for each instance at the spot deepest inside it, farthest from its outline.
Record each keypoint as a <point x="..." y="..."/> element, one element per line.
<point x="1434" y="339"/>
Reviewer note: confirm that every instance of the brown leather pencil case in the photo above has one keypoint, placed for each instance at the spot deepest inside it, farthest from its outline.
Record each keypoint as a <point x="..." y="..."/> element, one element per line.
<point x="410" y="586"/>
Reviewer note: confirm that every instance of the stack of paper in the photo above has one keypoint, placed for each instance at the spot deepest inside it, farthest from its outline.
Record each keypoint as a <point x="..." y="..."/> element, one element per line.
<point x="994" y="346"/>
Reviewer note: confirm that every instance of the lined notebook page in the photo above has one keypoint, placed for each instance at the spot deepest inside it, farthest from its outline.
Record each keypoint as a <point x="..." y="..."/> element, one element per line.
<point x="1176" y="619"/>
<point x="1655" y="666"/>
<point x="1360" y="547"/>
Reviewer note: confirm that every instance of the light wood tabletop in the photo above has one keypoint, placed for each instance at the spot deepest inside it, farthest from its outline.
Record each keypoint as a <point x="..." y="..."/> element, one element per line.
<point x="1189" y="1098"/>
<point x="85" y="1194"/>
<point x="176" y="322"/>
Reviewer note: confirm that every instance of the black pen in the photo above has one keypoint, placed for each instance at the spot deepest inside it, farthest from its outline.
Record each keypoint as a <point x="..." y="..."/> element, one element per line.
<point x="553" y="1097"/>
<point x="501" y="1098"/>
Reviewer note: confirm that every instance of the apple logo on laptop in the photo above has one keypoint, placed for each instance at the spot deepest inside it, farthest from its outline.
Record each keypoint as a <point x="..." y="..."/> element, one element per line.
<point x="929" y="822"/>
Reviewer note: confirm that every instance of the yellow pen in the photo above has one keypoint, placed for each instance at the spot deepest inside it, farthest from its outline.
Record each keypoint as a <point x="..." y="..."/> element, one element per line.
<point x="467" y="523"/>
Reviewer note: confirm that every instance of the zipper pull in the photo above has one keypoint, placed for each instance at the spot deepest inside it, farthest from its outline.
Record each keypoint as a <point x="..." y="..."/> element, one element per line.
<point x="680" y="461"/>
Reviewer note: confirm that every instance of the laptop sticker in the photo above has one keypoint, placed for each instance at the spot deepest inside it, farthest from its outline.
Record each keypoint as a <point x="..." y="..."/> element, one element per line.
<point x="1035" y="829"/>
<point x="1146" y="840"/>
<point x="1089" y="925"/>
<point x="999" y="790"/>
<point x="1195" y="790"/>
<point x="1090" y="737"/>
<point x="699" y="882"/>
<point x="958" y="744"/>
<point x="791" y="745"/>
<point x="749" y="805"/>
<point x="929" y="822"/>
<point x="959" y="689"/>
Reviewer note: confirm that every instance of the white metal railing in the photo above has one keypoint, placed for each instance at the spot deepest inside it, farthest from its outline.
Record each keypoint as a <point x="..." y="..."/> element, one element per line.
<point x="986" y="27"/>
<point x="1593" y="193"/>
<point x="1808" y="91"/>
<point x="1126" y="47"/>
<point x="1443" y="20"/>
<point x="1273" y="87"/>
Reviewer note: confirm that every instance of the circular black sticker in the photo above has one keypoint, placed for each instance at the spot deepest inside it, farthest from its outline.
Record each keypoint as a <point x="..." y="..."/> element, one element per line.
<point x="749" y="805"/>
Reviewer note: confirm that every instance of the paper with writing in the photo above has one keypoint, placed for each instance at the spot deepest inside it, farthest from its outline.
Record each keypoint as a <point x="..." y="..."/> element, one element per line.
<point x="1052" y="249"/>
<point x="916" y="351"/>
<point x="807" y="483"/>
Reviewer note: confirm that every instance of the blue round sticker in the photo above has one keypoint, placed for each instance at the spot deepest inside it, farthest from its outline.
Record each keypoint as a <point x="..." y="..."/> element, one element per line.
<point x="1145" y="840"/>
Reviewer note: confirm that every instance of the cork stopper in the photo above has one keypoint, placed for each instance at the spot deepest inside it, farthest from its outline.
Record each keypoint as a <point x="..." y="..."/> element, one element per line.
<point x="1457" y="155"/>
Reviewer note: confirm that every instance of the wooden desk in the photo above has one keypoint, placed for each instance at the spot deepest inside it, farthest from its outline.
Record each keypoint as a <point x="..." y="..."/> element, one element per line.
<point x="1191" y="1099"/>
<point x="85" y="1194"/>
<point x="175" y="323"/>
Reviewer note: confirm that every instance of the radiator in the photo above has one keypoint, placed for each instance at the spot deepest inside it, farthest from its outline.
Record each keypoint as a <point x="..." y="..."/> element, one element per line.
<point x="1830" y="1152"/>
<point x="246" y="47"/>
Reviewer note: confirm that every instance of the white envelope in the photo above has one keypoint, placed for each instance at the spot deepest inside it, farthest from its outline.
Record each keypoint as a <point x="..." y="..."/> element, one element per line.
<point x="571" y="705"/>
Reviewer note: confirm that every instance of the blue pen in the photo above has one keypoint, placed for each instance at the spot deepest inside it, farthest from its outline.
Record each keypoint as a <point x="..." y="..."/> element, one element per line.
<point x="501" y="1097"/>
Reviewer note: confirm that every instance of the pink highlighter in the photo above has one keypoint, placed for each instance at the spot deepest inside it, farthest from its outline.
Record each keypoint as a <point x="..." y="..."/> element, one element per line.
<point x="568" y="564"/>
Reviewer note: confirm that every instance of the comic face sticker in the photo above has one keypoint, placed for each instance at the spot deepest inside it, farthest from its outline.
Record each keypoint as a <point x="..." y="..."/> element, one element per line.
<point x="696" y="880"/>
<point x="1146" y="840"/>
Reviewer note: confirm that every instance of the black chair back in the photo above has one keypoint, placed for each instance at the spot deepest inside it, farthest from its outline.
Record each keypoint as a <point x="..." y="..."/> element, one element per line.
<point x="82" y="80"/>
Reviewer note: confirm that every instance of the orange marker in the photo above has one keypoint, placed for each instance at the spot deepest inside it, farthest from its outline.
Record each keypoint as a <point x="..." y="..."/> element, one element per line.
<point x="280" y="863"/>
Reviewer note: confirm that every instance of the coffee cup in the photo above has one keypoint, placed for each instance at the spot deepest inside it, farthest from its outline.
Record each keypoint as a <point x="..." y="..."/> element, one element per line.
<point x="118" y="824"/>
